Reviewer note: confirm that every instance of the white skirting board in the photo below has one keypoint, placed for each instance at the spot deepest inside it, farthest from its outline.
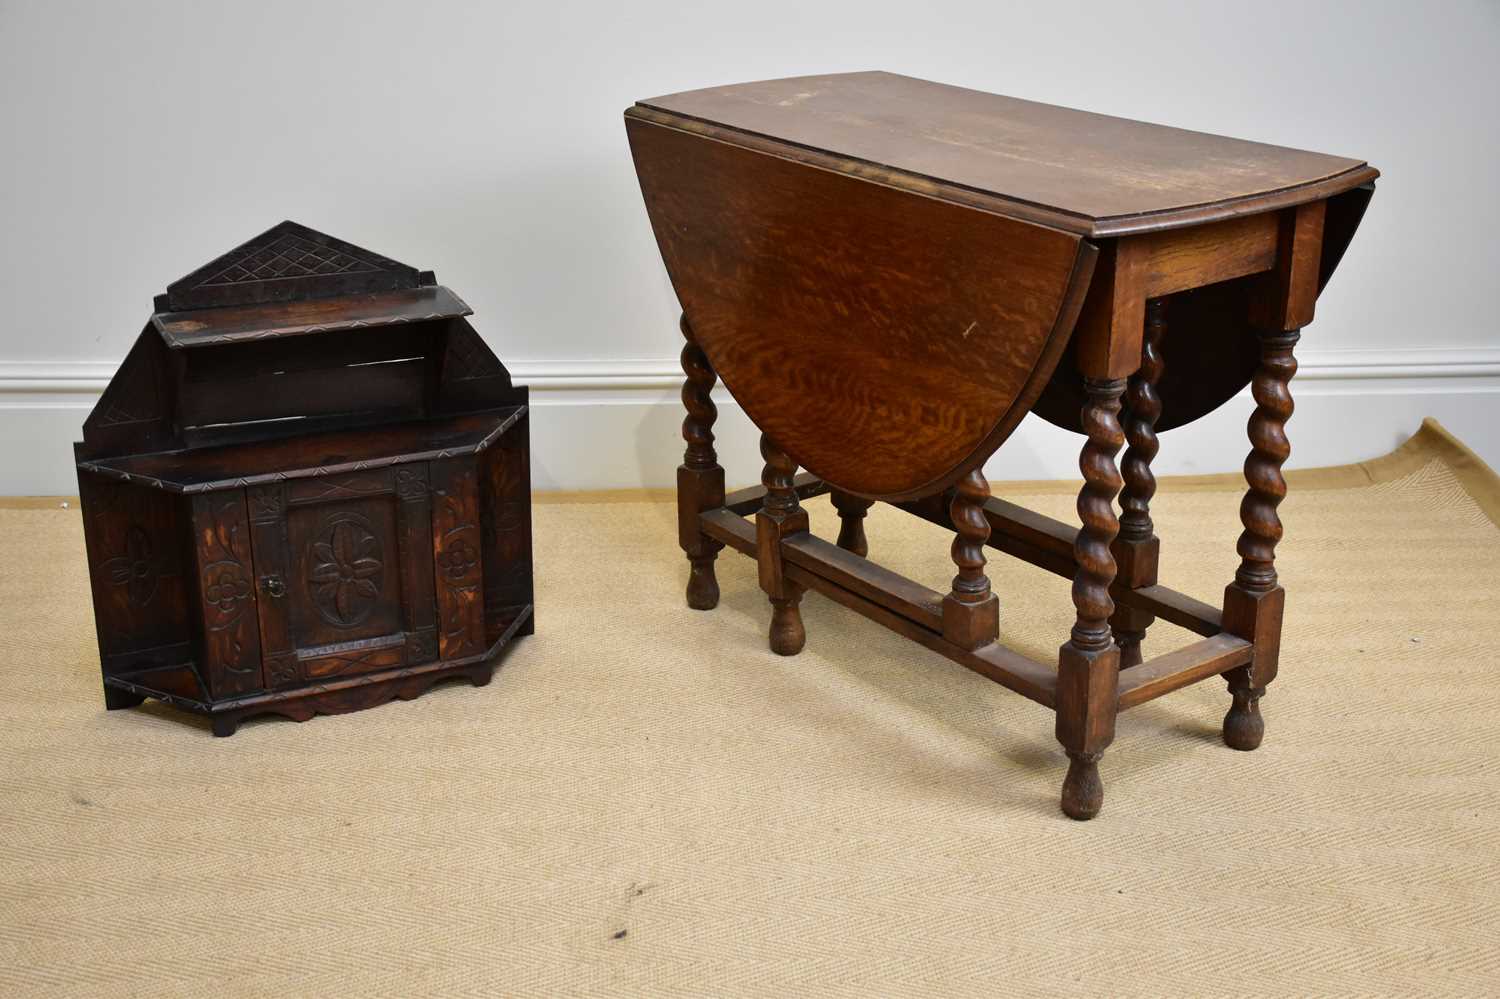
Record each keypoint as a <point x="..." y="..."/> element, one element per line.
<point x="615" y="424"/>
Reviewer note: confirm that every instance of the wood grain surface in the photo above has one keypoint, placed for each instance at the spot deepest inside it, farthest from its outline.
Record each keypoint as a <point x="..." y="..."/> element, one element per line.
<point x="837" y="310"/>
<point x="1092" y="173"/>
<point x="210" y="327"/>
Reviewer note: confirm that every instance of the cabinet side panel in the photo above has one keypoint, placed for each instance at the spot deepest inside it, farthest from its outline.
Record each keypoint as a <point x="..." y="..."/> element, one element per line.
<point x="470" y="376"/>
<point x="457" y="564"/>
<point x="226" y="582"/>
<point x="506" y="522"/>
<point x="134" y="414"/>
<point x="133" y="537"/>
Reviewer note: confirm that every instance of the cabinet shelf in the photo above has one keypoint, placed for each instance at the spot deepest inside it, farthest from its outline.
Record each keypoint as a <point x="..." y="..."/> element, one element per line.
<point x="232" y="466"/>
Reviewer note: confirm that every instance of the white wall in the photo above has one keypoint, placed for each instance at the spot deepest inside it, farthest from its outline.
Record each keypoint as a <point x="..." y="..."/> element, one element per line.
<point x="484" y="141"/>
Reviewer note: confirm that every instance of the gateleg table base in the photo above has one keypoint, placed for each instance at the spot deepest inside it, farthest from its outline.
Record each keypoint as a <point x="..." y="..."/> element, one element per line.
<point x="915" y="611"/>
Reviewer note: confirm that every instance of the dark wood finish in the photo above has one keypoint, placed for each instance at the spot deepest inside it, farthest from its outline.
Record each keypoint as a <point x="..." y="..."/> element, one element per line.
<point x="336" y="696"/>
<point x="271" y="549"/>
<point x="229" y="635"/>
<point x="886" y="273"/>
<point x="1253" y="603"/>
<point x="749" y="499"/>
<point x="781" y="517"/>
<point x="318" y="455"/>
<point x="1087" y="173"/>
<point x="1137" y="549"/>
<point x="1089" y="662"/>
<point x="852" y="510"/>
<point x="306" y="490"/>
<point x="873" y="582"/>
<point x="700" y="480"/>
<point x="1207" y="254"/>
<point x="1178" y="608"/>
<point x="413" y="498"/>
<point x="505" y="525"/>
<point x="983" y="315"/>
<point x="217" y="327"/>
<point x="1186" y="665"/>
<point x="1048" y="544"/>
<point x="1292" y="286"/>
<point x="456" y="551"/>
<point x="243" y="384"/>
<point x="1108" y="340"/>
<point x="971" y="613"/>
<point x="345" y="574"/>
<point x="899" y="604"/>
<point x="287" y="262"/>
<point x="345" y="570"/>
<point x="134" y="413"/>
<point x="142" y="574"/>
<point x="1214" y="326"/>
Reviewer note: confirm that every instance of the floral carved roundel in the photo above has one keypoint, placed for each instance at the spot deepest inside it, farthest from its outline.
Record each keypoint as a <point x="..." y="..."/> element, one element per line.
<point x="345" y="570"/>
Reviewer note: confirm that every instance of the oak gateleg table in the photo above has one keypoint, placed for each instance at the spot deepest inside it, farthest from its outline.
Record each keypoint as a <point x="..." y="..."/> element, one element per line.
<point x="889" y="274"/>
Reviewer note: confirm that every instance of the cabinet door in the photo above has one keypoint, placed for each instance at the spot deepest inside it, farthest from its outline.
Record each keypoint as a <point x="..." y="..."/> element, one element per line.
<point x="344" y="566"/>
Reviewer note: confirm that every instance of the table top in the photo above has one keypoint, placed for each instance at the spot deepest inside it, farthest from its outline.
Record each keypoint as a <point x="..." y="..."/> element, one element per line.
<point x="1087" y="173"/>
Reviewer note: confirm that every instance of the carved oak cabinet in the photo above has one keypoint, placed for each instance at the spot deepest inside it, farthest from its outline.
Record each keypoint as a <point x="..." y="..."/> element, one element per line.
<point x="306" y="490"/>
<point x="889" y="274"/>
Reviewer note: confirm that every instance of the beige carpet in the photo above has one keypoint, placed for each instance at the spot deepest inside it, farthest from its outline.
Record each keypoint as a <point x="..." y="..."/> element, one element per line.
<point x="646" y="801"/>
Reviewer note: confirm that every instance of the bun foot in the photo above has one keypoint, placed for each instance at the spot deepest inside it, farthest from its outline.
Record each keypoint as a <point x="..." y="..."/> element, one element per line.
<point x="1082" y="790"/>
<point x="224" y="725"/>
<point x="787" y="634"/>
<point x="703" y="586"/>
<point x="1243" y="725"/>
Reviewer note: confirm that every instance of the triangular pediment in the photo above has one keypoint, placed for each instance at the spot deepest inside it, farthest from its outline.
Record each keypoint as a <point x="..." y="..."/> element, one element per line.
<point x="285" y="263"/>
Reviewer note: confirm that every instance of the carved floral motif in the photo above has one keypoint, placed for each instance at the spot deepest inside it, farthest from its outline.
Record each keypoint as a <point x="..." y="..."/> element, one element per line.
<point x="458" y="558"/>
<point x="226" y="584"/>
<point x="265" y="503"/>
<point x="135" y="570"/>
<point x="346" y="570"/>
<point x="411" y="483"/>
<point x="421" y="647"/>
<point x="226" y="589"/>
<point x="283" y="670"/>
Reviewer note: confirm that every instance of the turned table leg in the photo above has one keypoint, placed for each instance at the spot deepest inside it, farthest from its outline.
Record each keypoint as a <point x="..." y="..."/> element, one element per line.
<point x="1137" y="549"/>
<point x="852" y="510"/>
<point x="1253" y="602"/>
<point x="1089" y="663"/>
<point x="971" y="613"/>
<point x="780" y="515"/>
<point x="700" y="480"/>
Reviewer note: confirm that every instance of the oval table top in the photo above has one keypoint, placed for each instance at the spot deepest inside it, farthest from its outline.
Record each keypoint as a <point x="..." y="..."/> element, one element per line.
<point x="1093" y="174"/>
<point x="887" y="272"/>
